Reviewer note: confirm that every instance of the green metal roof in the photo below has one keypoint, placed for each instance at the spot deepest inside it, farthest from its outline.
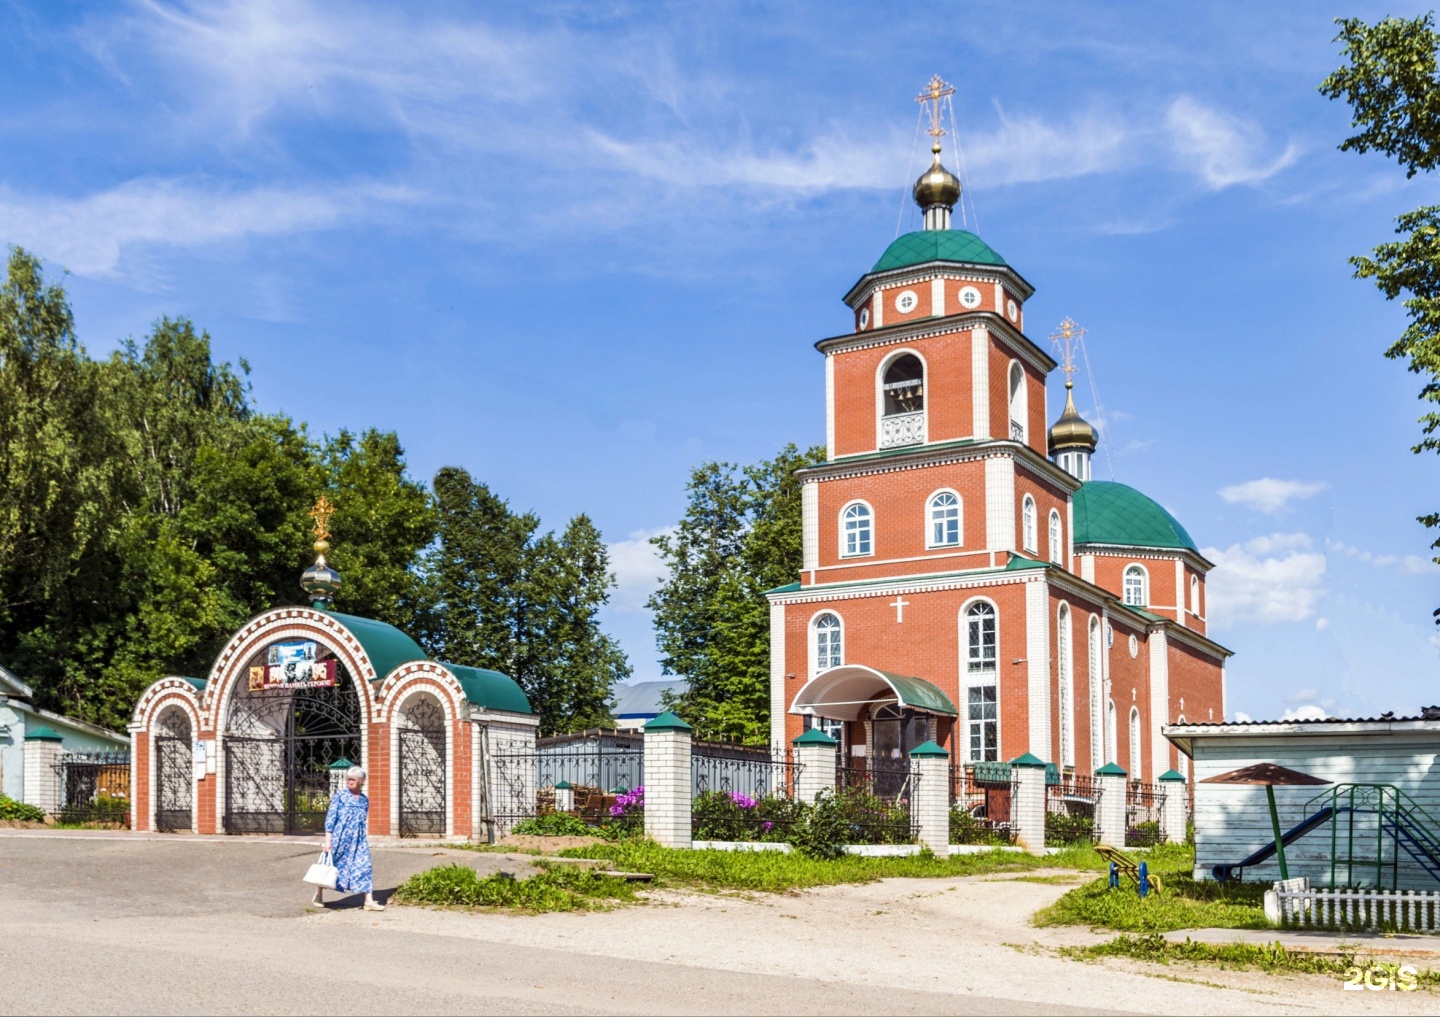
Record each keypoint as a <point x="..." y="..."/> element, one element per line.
<point x="919" y="692"/>
<point x="1111" y="513"/>
<point x="1019" y="564"/>
<point x="385" y="645"/>
<point x="667" y="721"/>
<point x="491" y="689"/>
<point x="937" y="245"/>
<point x="199" y="683"/>
<point x="42" y="734"/>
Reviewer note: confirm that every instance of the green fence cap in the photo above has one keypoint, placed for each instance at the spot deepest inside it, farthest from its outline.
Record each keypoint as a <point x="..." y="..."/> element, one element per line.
<point x="1110" y="770"/>
<point x="1172" y="775"/>
<point x="42" y="734"/>
<point x="341" y="764"/>
<point x="814" y="737"/>
<point x="564" y="785"/>
<point x="1029" y="759"/>
<point x="667" y="721"/>
<point x="929" y="750"/>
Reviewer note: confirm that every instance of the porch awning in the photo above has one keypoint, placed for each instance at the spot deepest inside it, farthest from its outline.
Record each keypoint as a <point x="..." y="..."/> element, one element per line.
<point x="840" y="693"/>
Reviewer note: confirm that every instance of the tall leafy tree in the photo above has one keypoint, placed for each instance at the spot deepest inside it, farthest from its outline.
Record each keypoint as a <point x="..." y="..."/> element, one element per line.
<point x="1391" y="80"/>
<point x="740" y="536"/>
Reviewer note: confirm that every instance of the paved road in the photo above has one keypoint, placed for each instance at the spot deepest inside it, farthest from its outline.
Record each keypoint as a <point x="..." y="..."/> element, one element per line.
<point x="121" y="924"/>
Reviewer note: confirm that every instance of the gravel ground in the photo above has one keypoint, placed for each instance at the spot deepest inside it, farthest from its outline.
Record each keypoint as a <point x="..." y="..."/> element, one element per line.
<point x="217" y="925"/>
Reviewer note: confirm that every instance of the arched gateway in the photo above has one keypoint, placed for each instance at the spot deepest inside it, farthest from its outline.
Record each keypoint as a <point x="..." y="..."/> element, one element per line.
<point x="296" y="697"/>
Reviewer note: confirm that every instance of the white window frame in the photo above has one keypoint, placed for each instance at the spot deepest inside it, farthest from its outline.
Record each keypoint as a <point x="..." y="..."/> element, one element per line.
<point x="1094" y="667"/>
<point x="1065" y="667"/>
<point x="814" y="641"/>
<point x="978" y="678"/>
<point x="1056" y="536"/>
<point x="1135" y="568"/>
<point x="869" y="530"/>
<point x="1019" y="401"/>
<point x="1137" y="758"/>
<point x="1029" y="538"/>
<point x="930" y="509"/>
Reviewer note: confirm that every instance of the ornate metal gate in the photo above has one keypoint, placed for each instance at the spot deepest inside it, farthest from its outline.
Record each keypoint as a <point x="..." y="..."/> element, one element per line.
<point x="421" y="744"/>
<point x="282" y="748"/>
<point x="174" y="784"/>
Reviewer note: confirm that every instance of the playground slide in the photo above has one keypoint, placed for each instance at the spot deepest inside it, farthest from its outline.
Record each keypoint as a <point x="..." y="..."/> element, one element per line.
<point x="1223" y="873"/>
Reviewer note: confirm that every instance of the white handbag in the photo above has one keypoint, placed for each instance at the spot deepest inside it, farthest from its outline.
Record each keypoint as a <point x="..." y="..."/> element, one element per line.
<point x="323" y="872"/>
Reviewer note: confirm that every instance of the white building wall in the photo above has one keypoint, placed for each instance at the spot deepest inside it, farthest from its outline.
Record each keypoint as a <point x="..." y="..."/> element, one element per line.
<point x="1037" y="666"/>
<point x="1159" y="705"/>
<point x="777" y="675"/>
<point x="980" y="382"/>
<point x="1000" y="503"/>
<point x="810" y="526"/>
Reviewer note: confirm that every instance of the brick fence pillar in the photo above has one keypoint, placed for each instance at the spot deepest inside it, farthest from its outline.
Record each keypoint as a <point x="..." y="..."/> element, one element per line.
<point x="1172" y="812"/>
<point x="667" y="781"/>
<point x="43" y="748"/>
<point x="930" y="800"/>
<point x="815" y="760"/>
<point x="1027" y="802"/>
<point x="1110" y="813"/>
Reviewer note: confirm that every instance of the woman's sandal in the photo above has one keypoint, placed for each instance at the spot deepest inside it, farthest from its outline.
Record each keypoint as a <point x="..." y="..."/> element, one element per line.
<point x="370" y="905"/>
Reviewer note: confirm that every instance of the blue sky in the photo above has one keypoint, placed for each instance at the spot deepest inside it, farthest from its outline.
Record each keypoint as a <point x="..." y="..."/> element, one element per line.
<point x="578" y="248"/>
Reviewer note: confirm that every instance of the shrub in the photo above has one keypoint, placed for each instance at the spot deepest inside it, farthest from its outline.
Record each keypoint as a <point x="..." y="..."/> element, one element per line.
<point x="966" y="829"/>
<point x="1143" y="835"/>
<point x="1062" y="830"/>
<point x="554" y="824"/>
<point x="823" y="833"/>
<point x="729" y="815"/>
<point x="561" y="888"/>
<point x="12" y="810"/>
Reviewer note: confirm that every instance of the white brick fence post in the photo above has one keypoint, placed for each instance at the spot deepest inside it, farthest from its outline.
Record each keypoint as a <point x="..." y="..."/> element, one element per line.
<point x="1172" y="812"/>
<point x="667" y="781"/>
<point x="930" y="801"/>
<point x="43" y="748"/>
<point x="1027" y="803"/>
<point x="815" y="758"/>
<point x="1110" y="814"/>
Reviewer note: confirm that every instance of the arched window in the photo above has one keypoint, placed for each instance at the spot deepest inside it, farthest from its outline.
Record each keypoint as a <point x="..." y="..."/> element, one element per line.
<point x="902" y="402"/>
<point x="1057" y="545"/>
<point x="1195" y="596"/>
<point x="1019" y="403"/>
<point x="945" y="520"/>
<point x="982" y="715"/>
<point x="1067" y="687"/>
<point x="855" y="535"/>
<point x="1097" y="731"/>
<point x="1112" y="750"/>
<point x="1027" y="524"/>
<point x="1137" y="593"/>
<point x="1135" y="771"/>
<point x="829" y="643"/>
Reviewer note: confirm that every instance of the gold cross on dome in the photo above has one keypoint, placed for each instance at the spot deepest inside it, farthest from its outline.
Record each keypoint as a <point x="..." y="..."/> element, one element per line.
<point x="937" y="89"/>
<point x="321" y="513"/>
<point x="1066" y="337"/>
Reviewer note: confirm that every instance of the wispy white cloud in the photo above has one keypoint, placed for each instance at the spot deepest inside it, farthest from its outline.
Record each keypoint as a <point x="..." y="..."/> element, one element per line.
<point x="1223" y="150"/>
<point x="637" y="567"/>
<point x="1269" y="495"/>
<point x="1410" y="564"/>
<point x="1270" y="579"/>
<point x="1307" y="712"/>
<point x="88" y="235"/>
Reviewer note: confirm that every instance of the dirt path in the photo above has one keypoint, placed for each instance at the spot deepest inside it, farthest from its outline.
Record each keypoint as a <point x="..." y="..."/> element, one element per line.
<point x="119" y="925"/>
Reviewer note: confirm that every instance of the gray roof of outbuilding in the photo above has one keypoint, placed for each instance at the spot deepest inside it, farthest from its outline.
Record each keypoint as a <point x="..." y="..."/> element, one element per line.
<point x="644" y="698"/>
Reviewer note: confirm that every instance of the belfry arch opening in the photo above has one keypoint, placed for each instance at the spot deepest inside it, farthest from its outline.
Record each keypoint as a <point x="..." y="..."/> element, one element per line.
<point x="902" y="401"/>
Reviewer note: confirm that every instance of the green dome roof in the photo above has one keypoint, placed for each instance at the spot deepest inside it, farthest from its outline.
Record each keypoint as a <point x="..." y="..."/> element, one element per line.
<point x="937" y="245"/>
<point x="1111" y="513"/>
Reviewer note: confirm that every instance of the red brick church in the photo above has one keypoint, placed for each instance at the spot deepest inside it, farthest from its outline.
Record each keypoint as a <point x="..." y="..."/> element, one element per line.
<point x="964" y="578"/>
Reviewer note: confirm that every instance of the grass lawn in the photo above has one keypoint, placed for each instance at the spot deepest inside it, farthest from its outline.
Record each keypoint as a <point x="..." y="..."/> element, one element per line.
<point x="560" y="888"/>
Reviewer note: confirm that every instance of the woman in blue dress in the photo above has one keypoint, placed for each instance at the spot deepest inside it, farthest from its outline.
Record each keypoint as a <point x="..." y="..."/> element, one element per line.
<point x="347" y="843"/>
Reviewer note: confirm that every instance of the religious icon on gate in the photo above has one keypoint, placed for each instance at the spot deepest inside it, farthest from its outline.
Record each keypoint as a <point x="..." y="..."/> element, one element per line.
<point x="293" y="665"/>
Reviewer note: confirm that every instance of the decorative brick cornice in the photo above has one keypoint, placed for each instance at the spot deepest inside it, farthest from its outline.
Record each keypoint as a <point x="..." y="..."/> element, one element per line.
<point x="951" y="324"/>
<point x="906" y="584"/>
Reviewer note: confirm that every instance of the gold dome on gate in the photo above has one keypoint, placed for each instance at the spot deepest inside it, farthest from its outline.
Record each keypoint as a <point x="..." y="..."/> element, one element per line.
<point x="937" y="185"/>
<point x="1072" y="430"/>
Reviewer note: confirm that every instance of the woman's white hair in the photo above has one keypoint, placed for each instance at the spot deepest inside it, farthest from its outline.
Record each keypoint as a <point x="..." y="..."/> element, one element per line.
<point x="355" y="773"/>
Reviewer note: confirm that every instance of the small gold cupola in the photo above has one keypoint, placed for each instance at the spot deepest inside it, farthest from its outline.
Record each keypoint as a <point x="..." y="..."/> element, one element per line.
<point x="938" y="190"/>
<point x="1072" y="438"/>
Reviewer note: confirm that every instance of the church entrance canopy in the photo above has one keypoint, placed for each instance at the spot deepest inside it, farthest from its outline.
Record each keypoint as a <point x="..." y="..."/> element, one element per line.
<point x="844" y="692"/>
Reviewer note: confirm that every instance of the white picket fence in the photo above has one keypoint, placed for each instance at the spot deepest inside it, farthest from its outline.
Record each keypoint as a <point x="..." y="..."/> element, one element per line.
<point x="1300" y="907"/>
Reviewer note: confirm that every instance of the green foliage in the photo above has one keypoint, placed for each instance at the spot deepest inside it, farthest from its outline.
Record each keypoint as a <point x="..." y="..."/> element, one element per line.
<point x="504" y="597"/>
<point x="15" y="811"/>
<point x="723" y="815"/>
<point x="966" y="829"/>
<point x="554" y="824"/>
<point x="1272" y="958"/>
<point x="558" y="888"/>
<point x="1391" y="83"/>
<point x="824" y="834"/>
<point x="1185" y="904"/>
<point x="739" y="537"/>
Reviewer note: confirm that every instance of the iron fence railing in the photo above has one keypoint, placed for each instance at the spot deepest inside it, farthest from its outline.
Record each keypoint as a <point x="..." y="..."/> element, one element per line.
<point x="1070" y="805"/>
<point x="587" y="782"/>
<point x="874" y="804"/>
<point x="96" y="788"/>
<point x="1143" y="803"/>
<point x="744" y="799"/>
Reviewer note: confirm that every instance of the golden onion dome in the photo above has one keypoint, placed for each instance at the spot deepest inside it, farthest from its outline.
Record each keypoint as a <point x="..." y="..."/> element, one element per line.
<point x="1071" y="430"/>
<point x="937" y="185"/>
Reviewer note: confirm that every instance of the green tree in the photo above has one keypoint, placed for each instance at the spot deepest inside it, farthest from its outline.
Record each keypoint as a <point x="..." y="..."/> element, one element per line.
<point x="1391" y="81"/>
<point x="740" y="536"/>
